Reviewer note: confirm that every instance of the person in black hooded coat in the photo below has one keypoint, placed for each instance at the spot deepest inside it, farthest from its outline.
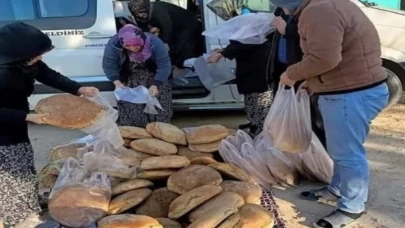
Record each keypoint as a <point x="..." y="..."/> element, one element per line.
<point x="21" y="49"/>
<point x="179" y="28"/>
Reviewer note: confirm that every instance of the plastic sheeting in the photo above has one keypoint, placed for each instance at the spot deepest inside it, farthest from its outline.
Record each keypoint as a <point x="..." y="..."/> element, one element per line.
<point x="250" y="28"/>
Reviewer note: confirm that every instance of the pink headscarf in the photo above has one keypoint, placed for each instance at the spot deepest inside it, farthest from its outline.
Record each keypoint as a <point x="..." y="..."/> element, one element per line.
<point x="132" y="35"/>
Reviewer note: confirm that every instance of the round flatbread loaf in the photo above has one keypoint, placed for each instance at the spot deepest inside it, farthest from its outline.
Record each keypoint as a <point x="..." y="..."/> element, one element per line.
<point x="202" y="161"/>
<point x="186" y="152"/>
<point x="193" y="177"/>
<point x="207" y="134"/>
<point x="128" y="221"/>
<point x="216" y="210"/>
<point x="207" y="147"/>
<point x="127" y="142"/>
<point x="50" y="168"/>
<point x="128" y="200"/>
<point x="65" y="151"/>
<point x="154" y="147"/>
<point x="129" y="157"/>
<point x="155" y="174"/>
<point x="165" y="162"/>
<point x="230" y="170"/>
<point x="47" y="181"/>
<point x="169" y="223"/>
<point x="68" y="111"/>
<point x="251" y="193"/>
<point x="135" y="154"/>
<point x="124" y="173"/>
<point x="134" y="132"/>
<point x="79" y="206"/>
<point x="167" y="132"/>
<point x="130" y="185"/>
<point x="157" y="205"/>
<point x="253" y="216"/>
<point x="232" y="131"/>
<point x="233" y="221"/>
<point x="192" y="199"/>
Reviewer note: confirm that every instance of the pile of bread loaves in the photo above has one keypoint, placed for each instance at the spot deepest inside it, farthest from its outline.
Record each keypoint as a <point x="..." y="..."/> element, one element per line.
<point x="181" y="182"/>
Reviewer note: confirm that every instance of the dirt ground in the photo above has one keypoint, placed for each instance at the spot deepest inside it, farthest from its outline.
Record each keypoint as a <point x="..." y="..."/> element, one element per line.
<point x="386" y="207"/>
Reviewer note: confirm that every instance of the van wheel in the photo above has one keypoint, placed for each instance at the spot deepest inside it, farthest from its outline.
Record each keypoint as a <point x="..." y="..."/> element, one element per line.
<point x="394" y="87"/>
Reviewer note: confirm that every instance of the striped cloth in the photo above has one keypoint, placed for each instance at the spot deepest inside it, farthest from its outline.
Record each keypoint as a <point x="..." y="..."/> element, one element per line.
<point x="268" y="202"/>
<point x="282" y="48"/>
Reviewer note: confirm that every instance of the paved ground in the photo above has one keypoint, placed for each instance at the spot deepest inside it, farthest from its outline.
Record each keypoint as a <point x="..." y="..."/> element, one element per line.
<point x="386" y="147"/>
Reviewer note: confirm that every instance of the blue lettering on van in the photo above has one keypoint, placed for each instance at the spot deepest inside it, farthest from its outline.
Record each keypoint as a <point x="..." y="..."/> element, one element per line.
<point x="94" y="45"/>
<point x="65" y="33"/>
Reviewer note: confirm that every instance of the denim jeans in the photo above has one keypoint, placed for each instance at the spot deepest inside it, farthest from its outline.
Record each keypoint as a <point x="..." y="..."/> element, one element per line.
<point x="347" y="118"/>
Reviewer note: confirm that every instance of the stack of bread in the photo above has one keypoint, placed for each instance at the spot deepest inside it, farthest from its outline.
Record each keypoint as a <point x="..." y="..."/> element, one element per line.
<point x="181" y="182"/>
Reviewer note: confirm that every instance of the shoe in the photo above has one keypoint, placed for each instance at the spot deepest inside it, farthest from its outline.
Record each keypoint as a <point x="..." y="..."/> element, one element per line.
<point x="244" y="126"/>
<point x="322" y="195"/>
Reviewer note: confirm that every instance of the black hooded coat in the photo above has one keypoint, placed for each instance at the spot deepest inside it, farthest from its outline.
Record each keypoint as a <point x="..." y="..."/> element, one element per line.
<point x="19" y="43"/>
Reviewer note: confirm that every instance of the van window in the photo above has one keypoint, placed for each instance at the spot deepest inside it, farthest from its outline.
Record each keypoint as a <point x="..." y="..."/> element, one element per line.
<point x="260" y="5"/>
<point x="50" y="14"/>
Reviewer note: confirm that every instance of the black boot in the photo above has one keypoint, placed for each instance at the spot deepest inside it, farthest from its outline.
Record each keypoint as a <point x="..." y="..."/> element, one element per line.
<point x="253" y="131"/>
<point x="245" y="126"/>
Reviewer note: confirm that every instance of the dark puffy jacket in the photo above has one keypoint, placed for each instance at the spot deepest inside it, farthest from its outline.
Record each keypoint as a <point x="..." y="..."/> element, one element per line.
<point x="252" y="65"/>
<point x="19" y="43"/>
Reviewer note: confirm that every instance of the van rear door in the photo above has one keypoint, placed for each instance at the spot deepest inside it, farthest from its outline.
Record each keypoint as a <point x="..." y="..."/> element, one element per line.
<point x="79" y="30"/>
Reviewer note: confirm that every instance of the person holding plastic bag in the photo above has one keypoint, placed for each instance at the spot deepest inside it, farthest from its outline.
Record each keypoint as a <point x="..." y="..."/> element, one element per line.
<point x="21" y="50"/>
<point x="287" y="52"/>
<point x="133" y="58"/>
<point x="251" y="78"/>
<point x="343" y="66"/>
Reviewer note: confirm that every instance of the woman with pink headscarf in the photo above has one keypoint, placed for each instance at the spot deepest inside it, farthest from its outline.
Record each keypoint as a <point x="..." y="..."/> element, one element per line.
<point x="133" y="58"/>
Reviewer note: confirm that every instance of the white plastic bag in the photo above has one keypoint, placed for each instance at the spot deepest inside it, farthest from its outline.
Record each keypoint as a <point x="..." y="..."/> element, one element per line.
<point x="78" y="200"/>
<point x="71" y="173"/>
<point x="317" y="161"/>
<point x="102" y="159"/>
<point x="139" y="95"/>
<point x="288" y="123"/>
<point x="214" y="74"/>
<point x="257" y="166"/>
<point x="106" y="128"/>
<point x="240" y="151"/>
<point x="281" y="168"/>
<point x="248" y="29"/>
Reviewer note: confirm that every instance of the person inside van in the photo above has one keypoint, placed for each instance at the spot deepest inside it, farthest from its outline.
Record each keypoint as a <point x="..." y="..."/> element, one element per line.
<point x="179" y="28"/>
<point x="135" y="58"/>
<point x="21" y="50"/>
<point x="252" y="79"/>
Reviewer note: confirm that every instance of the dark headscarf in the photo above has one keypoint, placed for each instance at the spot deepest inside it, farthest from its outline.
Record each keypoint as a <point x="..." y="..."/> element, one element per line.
<point x="20" y="42"/>
<point x="140" y="10"/>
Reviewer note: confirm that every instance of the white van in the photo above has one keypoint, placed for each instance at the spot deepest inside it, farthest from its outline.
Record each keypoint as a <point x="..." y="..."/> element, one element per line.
<point x="80" y="29"/>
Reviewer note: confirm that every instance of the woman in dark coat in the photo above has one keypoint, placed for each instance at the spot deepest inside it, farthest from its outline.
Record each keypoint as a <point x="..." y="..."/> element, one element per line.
<point x="133" y="58"/>
<point x="252" y="78"/>
<point x="21" y="50"/>
<point x="179" y="28"/>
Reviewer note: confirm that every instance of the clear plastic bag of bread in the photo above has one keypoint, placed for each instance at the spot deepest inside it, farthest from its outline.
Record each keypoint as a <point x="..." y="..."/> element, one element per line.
<point x="102" y="159"/>
<point x="240" y="151"/>
<point x="288" y="123"/>
<point x="317" y="162"/>
<point x="106" y="127"/>
<point x="280" y="166"/>
<point x="77" y="199"/>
